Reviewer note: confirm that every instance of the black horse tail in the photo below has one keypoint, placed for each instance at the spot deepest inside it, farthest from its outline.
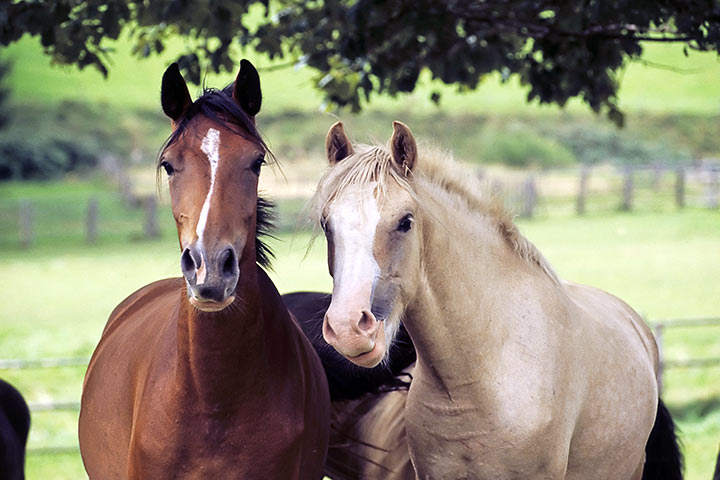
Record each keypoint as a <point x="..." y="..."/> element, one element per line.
<point x="717" y="468"/>
<point x="663" y="460"/>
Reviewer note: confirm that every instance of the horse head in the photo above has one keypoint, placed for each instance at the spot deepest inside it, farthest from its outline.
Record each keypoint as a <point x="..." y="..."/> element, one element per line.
<point x="213" y="159"/>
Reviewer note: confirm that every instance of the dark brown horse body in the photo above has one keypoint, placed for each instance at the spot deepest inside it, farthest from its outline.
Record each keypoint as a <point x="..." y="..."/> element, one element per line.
<point x="207" y="376"/>
<point x="367" y="428"/>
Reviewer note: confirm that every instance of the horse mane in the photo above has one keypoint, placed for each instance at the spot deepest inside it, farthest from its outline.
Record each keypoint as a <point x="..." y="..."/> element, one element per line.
<point x="445" y="180"/>
<point x="219" y="106"/>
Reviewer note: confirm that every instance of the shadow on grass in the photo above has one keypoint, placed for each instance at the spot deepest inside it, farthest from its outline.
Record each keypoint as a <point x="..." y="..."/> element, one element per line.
<point x="697" y="408"/>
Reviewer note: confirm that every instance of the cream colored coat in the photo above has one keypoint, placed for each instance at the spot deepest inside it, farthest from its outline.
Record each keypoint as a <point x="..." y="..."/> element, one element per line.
<point x="519" y="374"/>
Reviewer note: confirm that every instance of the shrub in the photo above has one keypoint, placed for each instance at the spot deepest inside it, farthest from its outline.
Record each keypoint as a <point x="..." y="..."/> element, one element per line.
<point x="42" y="159"/>
<point x="591" y="145"/>
<point x="523" y="149"/>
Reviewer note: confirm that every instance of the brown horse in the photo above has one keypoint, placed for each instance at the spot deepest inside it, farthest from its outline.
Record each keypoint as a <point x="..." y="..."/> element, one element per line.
<point x="207" y="376"/>
<point x="519" y="374"/>
<point x="367" y="427"/>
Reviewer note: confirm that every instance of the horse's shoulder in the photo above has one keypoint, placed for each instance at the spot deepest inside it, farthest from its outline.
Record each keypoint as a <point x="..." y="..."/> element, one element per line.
<point x="159" y="295"/>
<point x="613" y="315"/>
<point x="600" y="301"/>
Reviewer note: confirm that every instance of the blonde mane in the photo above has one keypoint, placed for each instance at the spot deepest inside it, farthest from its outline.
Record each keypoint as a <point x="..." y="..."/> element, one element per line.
<point x="438" y="172"/>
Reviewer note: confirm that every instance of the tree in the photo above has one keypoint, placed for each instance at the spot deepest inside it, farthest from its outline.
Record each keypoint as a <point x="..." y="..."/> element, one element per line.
<point x="560" y="49"/>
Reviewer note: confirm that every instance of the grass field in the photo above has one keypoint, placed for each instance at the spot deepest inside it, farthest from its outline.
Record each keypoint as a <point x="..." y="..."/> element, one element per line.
<point x="663" y="263"/>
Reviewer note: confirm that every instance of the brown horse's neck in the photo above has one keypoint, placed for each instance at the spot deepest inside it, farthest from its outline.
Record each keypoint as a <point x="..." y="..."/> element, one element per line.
<point x="220" y="355"/>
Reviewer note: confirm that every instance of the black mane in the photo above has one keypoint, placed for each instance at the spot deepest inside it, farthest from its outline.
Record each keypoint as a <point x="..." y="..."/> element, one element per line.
<point x="264" y="226"/>
<point x="219" y="106"/>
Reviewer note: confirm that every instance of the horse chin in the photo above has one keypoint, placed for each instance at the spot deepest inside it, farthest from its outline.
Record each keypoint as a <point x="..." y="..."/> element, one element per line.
<point x="211" y="306"/>
<point x="372" y="357"/>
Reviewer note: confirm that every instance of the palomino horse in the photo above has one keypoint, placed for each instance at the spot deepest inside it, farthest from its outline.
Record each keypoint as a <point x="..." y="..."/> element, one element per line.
<point x="207" y="376"/>
<point x="519" y="374"/>
<point x="14" y="429"/>
<point x="367" y="426"/>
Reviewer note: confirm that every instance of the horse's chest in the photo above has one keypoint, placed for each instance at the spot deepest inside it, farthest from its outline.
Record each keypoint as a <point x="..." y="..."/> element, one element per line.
<point x="461" y="438"/>
<point x="193" y="444"/>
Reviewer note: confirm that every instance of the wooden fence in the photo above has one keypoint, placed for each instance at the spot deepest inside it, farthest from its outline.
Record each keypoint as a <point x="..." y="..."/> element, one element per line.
<point x="579" y="191"/>
<point x="659" y="327"/>
<point x="608" y="188"/>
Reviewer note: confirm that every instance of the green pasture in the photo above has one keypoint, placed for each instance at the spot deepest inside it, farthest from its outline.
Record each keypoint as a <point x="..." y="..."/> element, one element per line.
<point x="664" y="262"/>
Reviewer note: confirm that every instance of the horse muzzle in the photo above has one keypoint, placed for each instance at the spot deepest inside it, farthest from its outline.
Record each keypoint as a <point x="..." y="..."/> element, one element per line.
<point x="358" y="336"/>
<point x="211" y="277"/>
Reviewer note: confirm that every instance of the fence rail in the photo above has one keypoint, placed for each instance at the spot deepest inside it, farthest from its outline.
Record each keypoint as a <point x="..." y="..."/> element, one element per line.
<point x="658" y="327"/>
<point x="18" y="364"/>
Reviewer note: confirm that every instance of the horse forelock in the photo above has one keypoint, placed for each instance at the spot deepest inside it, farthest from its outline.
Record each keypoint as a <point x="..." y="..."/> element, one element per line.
<point x="221" y="108"/>
<point x="437" y="177"/>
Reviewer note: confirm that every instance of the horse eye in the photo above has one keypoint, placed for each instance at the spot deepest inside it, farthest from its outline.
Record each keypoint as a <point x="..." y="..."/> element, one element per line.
<point x="405" y="223"/>
<point x="168" y="168"/>
<point x="257" y="164"/>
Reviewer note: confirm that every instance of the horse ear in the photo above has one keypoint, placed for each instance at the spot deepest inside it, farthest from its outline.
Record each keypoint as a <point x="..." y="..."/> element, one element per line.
<point x="403" y="147"/>
<point x="246" y="92"/>
<point x="337" y="144"/>
<point x="174" y="94"/>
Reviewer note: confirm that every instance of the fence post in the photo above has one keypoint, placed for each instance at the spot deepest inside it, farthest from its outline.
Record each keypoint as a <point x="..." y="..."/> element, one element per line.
<point x="126" y="190"/>
<point x="91" y="224"/>
<point x="26" y="232"/>
<point x="713" y="187"/>
<point x="658" y="330"/>
<point x="680" y="187"/>
<point x="529" y="197"/>
<point x="151" y="227"/>
<point x="627" y="191"/>
<point x="582" y="191"/>
<point x="657" y="175"/>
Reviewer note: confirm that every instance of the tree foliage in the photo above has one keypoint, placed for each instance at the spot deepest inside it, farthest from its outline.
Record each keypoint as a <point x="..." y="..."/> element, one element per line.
<point x="559" y="49"/>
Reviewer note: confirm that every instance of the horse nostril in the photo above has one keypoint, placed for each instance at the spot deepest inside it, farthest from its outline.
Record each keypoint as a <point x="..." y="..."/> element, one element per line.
<point x="328" y="332"/>
<point x="367" y="321"/>
<point x="187" y="263"/>
<point x="229" y="264"/>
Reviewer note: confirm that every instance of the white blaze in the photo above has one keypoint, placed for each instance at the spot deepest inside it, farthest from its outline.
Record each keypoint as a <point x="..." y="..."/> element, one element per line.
<point x="211" y="147"/>
<point x="354" y="217"/>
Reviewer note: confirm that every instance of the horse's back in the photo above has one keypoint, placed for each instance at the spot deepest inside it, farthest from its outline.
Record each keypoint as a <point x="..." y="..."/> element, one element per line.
<point x="14" y="428"/>
<point x="117" y="371"/>
<point x="607" y="314"/>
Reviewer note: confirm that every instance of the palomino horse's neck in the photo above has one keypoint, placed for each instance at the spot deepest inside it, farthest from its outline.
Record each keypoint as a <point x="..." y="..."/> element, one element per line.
<point x="466" y="293"/>
<point x="220" y="355"/>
